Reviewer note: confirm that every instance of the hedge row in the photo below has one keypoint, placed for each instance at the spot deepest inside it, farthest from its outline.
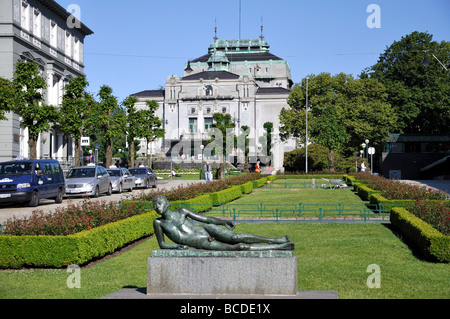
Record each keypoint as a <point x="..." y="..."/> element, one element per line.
<point x="429" y="241"/>
<point x="80" y="248"/>
<point x="206" y="202"/>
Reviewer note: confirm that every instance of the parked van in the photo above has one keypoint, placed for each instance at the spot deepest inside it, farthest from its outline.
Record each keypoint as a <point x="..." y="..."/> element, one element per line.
<point x="29" y="181"/>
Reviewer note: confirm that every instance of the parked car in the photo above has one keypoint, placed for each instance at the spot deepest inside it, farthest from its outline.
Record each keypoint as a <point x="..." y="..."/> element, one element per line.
<point x="121" y="179"/>
<point x="144" y="176"/>
<point x="29" y="181"/>
<point x="91" y="180"/>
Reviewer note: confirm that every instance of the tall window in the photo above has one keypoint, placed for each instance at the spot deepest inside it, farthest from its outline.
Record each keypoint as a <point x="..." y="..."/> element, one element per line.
<point x="192" y="125"/>
<point x="53" y="34"/>
<point x="37" y="23"/>
<point x="25" y="23"/>
<point x="208" y="123"/>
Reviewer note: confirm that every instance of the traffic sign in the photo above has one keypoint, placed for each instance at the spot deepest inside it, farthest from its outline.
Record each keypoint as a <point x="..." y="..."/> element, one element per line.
<point x="371" y="150"/>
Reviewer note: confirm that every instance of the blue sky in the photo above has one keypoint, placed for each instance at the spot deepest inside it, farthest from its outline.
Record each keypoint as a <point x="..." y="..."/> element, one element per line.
<point x="137" y="44"/>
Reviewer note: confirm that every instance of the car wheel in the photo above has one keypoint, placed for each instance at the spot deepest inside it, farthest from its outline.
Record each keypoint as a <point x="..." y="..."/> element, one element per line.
<point x="109" y="190"/>
<point x="34" y="199"/>
<point x="97" y="192"/>
<point x="59" y="198"/>
<point x="130" y="189"/>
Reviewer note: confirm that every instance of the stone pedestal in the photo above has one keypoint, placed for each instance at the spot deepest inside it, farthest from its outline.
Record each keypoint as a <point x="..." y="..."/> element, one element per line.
<point x="194" y="272"/>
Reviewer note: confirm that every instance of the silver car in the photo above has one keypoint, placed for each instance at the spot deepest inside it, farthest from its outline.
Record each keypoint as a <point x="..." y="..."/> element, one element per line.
<point x="144" y="176"/>
<point x="121" y="179"/>
<point x="88" y="180"/>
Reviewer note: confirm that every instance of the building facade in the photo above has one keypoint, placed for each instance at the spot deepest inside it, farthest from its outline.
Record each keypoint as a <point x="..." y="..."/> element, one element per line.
<point x="236" y="77"/>
<point x="43" y="32"/>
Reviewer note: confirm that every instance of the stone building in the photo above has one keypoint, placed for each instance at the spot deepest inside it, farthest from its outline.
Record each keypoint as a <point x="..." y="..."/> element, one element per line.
<point x="236" y="77"/>
<point x="44" y="32"/>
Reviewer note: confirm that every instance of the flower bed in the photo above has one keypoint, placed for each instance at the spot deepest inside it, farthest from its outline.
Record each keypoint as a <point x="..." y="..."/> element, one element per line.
<point x="435" y="213"/>
<point x="395" y="190"/>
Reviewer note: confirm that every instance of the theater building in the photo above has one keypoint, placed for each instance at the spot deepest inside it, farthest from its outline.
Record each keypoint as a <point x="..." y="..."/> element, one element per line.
<point x="241" y="78"/>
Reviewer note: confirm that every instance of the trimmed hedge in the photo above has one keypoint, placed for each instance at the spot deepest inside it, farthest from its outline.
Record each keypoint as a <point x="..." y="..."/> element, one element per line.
<point x="363" y="191"/>
<point x="431" y="243"/>
<point x="226" y="195"/>
<point x="80" y="248"/>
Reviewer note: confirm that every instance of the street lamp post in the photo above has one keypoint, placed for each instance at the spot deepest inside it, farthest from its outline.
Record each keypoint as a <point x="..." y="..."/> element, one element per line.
<point x="306" y="142"/>
<point x="202" y="147"/>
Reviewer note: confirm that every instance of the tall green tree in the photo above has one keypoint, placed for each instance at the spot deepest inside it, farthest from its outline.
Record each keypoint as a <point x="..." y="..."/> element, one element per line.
<point x="420" y="94"/>
<point x="151" y="128"/>
<point x="108" y="120"/>
<point x="74" y="112"/>
<point x="329" y="132"/>
<point x="223" y="122"/>
<point x="360" y="110"/>
<point x="37" y="117"/>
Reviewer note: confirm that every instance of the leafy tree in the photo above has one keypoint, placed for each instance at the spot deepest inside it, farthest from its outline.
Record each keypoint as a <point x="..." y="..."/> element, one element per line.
<point x="223" y="122"/>
<point x="243" y="144"/>
<point x="266" y="139"/>
<point x="360" y="107"/>
<point x="74" y="112"/>
<point x="329" y="132"/>
<point x="141" y="124"/>
<point x="108" y="120"/>
<point x="36" y="116"/>
<point x="419" y="94"/>
<point x="151" y="128"/>
<point x="6" y="97"/>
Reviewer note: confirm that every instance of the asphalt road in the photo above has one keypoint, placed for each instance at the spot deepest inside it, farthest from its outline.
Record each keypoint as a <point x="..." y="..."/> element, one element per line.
<point x="8" y="211"/>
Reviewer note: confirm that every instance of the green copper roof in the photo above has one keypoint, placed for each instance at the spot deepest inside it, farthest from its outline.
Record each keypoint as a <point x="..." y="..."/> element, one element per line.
<point x="239" y="46"/>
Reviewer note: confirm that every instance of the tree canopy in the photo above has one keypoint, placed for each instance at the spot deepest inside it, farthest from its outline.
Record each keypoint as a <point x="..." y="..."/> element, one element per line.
<point x="419" y="92"/>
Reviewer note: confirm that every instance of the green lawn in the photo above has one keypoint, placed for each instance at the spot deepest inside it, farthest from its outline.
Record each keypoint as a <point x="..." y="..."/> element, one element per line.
<point x="331" y="256"/>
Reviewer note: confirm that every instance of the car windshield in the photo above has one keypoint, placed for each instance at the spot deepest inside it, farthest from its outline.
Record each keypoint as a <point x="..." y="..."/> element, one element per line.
<point x="138" y="171"/>
<point x="81" y="172"/>
<point x="23" y="168"/>
<point x="113" y="172"/>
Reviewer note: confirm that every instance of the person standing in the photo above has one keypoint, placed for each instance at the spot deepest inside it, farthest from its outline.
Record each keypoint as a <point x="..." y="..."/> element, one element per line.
<point x="363" y="167"/>
<point x="208" y="172"/>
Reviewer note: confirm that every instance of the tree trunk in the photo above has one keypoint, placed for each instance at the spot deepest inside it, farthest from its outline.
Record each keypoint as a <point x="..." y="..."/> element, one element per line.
<point x="32" y="147"/>
<point x="131" y="152"/>
<point x="331" y="160"/>
<point x="77" y="152"/>
<point x="108" y="153"/>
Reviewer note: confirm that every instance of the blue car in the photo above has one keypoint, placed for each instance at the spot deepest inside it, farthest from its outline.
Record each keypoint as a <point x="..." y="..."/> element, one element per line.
<point x="29" y="181"/>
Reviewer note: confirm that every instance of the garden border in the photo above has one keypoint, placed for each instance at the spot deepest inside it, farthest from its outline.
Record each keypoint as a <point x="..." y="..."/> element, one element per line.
<point x="431" y="243"/>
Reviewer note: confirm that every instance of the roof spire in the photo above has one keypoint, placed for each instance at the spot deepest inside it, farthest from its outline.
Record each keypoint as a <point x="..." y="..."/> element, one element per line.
<point x="215" y="30"/>
<point x="262" y="28"/>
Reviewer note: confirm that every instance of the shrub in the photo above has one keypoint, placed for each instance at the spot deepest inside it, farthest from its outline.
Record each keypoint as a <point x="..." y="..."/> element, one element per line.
<point x="436" y="213"/>
<point x="395" y="190"/>
<point x="73" y="219"/>
<point x="80" y="248"/>
<point x="226" y="195"/>
<point x="431" y="243"/>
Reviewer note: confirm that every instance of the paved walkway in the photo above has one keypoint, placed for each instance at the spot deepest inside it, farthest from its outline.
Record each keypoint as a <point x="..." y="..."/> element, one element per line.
<point x="47" y="206"/>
